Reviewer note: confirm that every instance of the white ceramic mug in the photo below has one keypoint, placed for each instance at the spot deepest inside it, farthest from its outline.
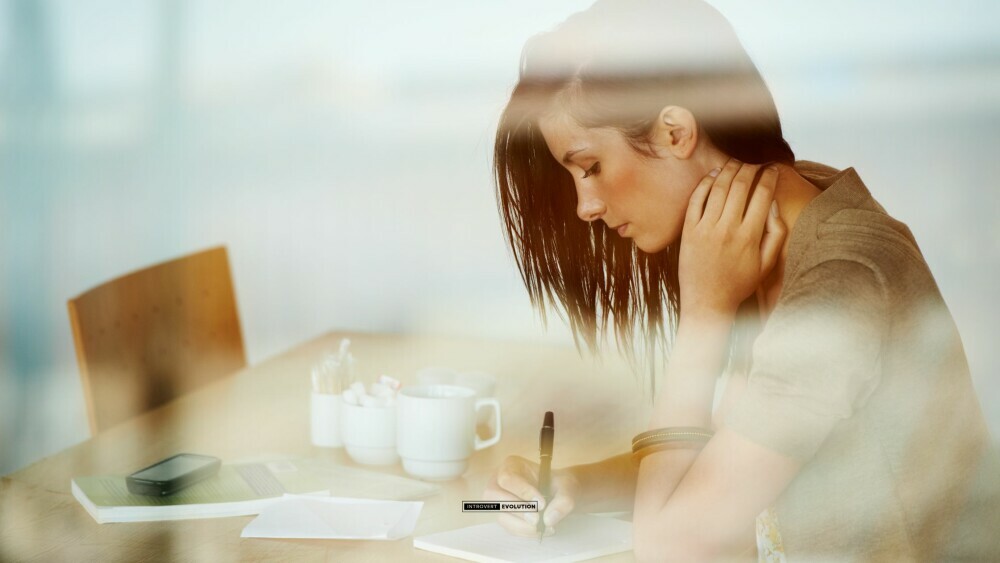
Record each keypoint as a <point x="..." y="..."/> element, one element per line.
<point x="369" y="433"/>
<point x="324" y="418"/>
<point x="481" y="382"/>
<point x="436" y="429"/>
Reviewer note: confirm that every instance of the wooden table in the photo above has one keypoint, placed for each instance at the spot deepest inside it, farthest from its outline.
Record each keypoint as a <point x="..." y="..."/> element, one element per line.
<point x="264" y="410"/>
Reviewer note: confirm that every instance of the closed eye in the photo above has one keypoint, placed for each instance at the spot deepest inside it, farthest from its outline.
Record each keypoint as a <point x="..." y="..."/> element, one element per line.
<point x="595" y="169"/>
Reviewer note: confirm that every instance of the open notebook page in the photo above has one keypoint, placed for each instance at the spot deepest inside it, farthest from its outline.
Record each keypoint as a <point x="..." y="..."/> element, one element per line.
<point x="577" y="538"/>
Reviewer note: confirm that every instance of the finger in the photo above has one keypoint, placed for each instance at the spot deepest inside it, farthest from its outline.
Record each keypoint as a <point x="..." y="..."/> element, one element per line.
<point x="720" y="190"/>
<point x="696" y="205"/>
<point x="512" y="478"/>
<point x="496" y="494"/>
<point x="771" y="242"/>
<point x="738" y="192"/>
<point x="760" y="201"/>
<point x="558" y="508"/>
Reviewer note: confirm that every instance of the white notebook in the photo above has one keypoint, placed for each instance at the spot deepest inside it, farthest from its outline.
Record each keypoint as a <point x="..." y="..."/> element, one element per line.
<point x="241" y="489"/>
<point x="577" y="538"/>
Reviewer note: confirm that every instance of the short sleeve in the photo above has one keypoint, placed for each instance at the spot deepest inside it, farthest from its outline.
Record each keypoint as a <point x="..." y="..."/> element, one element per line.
<point x="816" y="361"/>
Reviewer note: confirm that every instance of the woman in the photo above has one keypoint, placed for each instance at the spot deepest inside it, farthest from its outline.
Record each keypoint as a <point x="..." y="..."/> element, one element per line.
<point x="642" y="178"/>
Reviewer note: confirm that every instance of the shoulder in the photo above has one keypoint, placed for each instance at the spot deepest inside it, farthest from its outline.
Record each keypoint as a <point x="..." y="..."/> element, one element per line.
<point x="846" y="224"/>
<point x="869" y="237"/>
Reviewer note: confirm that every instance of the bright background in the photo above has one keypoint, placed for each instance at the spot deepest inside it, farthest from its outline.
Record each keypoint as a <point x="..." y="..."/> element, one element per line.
<point x="340" y="149"/>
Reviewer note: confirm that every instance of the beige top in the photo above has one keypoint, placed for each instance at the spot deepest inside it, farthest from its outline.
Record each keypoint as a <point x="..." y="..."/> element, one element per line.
<point x="860" y="374"/>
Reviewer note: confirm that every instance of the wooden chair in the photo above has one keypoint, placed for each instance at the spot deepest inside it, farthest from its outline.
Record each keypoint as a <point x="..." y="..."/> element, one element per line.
<point x="155" y="334"/>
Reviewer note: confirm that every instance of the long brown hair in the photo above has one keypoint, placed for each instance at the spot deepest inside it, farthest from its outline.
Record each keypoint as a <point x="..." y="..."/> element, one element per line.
<point x="617" y="65"/>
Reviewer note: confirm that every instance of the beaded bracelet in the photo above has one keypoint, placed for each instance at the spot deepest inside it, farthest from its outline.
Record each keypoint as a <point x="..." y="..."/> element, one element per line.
<point x="642" y="452"/>
<point x="670" y="434"/>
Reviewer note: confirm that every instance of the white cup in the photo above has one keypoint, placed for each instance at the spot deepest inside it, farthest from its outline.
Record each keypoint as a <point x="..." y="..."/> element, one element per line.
<point x="369" y="433"/>
<point x="324" y="420"/>
<point x="481" y="382"/>
<point x="436" y="429"/>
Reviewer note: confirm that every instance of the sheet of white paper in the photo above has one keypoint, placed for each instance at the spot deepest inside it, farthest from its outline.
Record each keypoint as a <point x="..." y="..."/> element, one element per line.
<point x="577" y="538"/>
<point x="300" y="516"/>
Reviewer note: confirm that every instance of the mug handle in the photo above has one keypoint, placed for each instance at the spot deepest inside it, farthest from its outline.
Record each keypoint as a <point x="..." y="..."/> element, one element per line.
<point x="489" y="402"/>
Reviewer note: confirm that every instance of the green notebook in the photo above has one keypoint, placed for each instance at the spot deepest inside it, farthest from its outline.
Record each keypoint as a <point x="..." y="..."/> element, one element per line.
<point x="241" y="489"/>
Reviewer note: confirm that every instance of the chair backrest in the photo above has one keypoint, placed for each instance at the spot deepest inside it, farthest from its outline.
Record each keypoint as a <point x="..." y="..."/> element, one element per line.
<point x="155" y="334"/>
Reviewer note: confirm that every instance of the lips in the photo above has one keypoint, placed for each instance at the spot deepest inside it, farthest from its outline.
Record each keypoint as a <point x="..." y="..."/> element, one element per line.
<point x="621" y="229"/>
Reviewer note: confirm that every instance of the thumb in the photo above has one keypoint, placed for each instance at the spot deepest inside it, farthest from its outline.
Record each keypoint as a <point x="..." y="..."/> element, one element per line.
<point x="559" y="507"/>
<point x="770" y="243"/>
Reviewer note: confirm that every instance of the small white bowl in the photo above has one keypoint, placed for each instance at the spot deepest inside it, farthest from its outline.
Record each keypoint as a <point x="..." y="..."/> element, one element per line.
<point x="435" y="470"/>
<point x="369" y="433"/>
<point x="372" y="456"/>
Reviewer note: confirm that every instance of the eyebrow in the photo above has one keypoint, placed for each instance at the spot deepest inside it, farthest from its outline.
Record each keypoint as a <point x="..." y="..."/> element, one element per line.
<point x="569" y="155"/>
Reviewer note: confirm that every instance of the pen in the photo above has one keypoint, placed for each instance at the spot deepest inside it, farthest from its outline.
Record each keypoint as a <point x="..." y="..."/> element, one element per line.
<point x="545" y="440"/>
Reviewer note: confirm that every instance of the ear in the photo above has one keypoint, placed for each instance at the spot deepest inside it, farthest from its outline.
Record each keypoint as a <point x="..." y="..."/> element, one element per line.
<point x="676" y="131"/>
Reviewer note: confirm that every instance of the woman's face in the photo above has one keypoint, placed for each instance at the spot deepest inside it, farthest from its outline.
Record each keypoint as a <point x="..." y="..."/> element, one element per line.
<point x="641" y="197"/>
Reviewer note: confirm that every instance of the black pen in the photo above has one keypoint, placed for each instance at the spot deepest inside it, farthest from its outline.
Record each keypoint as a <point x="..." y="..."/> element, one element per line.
<point x="545" y="440"/>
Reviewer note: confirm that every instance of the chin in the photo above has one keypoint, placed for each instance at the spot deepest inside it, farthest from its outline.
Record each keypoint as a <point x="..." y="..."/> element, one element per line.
<point x="654" y="242"/>
<point x="650" y="243"/>
<point x="650" y="247"/>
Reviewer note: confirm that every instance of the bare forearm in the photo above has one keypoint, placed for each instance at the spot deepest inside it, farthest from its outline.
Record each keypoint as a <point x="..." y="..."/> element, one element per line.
<point x="617" y="483"/>
<point x="685" y="400"/>
<point x="607" y="485"/>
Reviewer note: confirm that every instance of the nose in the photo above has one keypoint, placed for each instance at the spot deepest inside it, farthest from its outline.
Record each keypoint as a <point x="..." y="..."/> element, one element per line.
<point x="589" y="207"/>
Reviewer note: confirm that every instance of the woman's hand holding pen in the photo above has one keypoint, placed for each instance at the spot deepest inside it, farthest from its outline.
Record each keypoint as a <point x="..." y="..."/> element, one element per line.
<point x="725" y="254"/>
<point x="516" y="480"/>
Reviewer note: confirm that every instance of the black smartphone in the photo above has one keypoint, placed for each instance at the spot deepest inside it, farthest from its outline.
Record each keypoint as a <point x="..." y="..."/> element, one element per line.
<point x="172" y="474"/>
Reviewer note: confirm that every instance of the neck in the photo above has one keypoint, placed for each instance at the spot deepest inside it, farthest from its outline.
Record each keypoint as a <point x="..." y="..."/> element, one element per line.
<point x="793" y="193"/>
